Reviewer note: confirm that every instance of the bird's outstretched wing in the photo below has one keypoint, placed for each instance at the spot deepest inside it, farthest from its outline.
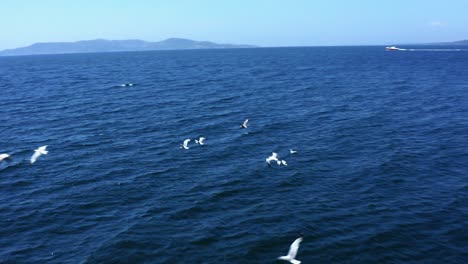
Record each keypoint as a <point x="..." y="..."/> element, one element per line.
<point x="35" y="156"/>
<point x="4" y="156"/>
<point x="294" y="247"/>
<point x="42" y="150"/>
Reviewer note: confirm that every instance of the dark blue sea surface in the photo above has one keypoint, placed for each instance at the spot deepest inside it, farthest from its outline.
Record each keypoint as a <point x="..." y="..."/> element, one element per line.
<point x="380" y="176"/>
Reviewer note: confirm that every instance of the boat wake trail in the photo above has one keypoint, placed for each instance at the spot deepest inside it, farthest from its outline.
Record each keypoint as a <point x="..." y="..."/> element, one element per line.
<point x="434" y="49"/>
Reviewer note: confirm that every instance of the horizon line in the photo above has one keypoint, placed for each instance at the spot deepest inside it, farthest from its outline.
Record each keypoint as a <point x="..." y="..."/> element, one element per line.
<point x="279" y="46"/>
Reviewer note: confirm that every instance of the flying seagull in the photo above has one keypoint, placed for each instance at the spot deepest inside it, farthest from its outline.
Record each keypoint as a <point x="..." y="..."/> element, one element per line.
<point x="292" y="151"/>
<point x="274" y="156"/>
<point x="284" y="163"/>
<point x="200" y="141"/>
<point x="185" y="145"/>
<point x="126" y="84"/>
<point x="244" y="125"/>
<point x="3" y="157"/>
<point x="291" y="257"/>
<point x="38" y="152"/>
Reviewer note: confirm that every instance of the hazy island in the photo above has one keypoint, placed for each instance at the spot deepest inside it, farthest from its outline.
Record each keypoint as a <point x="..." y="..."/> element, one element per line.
<point x="103" y="45"/>
<point x="454" y="43"/>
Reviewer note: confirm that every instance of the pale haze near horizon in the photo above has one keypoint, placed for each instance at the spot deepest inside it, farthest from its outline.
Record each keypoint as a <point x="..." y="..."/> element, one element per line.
<point x="262" y="22"/>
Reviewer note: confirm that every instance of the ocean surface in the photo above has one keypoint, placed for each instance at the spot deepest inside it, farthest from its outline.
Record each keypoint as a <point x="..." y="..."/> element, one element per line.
<point x="380" y="174"/>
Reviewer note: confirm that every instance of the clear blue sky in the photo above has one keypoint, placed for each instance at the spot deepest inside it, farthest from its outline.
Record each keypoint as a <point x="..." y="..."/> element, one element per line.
<point x="259" y="22"/>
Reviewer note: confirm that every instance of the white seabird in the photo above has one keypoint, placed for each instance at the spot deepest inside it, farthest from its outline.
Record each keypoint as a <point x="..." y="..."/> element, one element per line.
<point x="244" y="125"/>
<point x="200" y="141"/>
<point x="274" y="156"/>
<point x="126" y="84"/>
<point x="292" y="151"/>
<point x="284" y="163"/>
<point x="185" y="145"/>
<point x="291" y="257"/>
<point x="38" y="152"/>
<point x="4" y="156"/>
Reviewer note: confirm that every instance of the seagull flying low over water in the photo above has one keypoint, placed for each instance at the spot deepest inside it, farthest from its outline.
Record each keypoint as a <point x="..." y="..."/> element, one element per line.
<point x="38" y="152"/>
<point x="185" y="145"/>
<point x="3" y="157"/>
<point x="291" y="257"/>
<point x="274" y="156"/>
<point x="244" y="125"/>
<point x="292" y="151"/>
<point x="200" y="141"/>
<point x="126" y="84"/>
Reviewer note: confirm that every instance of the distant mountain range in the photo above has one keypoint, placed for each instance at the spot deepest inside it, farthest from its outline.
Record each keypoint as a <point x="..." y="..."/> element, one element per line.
<point x="103" y="45"/>
<point x="454" y="43"/>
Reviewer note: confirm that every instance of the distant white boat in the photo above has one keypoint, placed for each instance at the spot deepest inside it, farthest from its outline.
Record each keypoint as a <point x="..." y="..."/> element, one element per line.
<point x="392" y="48"/>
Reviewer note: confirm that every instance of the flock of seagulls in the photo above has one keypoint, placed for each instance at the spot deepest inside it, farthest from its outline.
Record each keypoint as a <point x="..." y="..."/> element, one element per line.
<point x="37" y="153"/>
<point x="273" y="157"/>
<point x="291" y="256"/>
<point x="199" y="141"/>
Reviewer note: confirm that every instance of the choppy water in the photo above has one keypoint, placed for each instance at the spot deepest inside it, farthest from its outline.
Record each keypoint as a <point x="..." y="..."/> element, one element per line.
<point x="380" y="176"/>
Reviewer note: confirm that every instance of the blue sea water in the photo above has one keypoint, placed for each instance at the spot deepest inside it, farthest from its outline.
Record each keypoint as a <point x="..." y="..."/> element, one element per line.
<point x="380" y="175"/>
